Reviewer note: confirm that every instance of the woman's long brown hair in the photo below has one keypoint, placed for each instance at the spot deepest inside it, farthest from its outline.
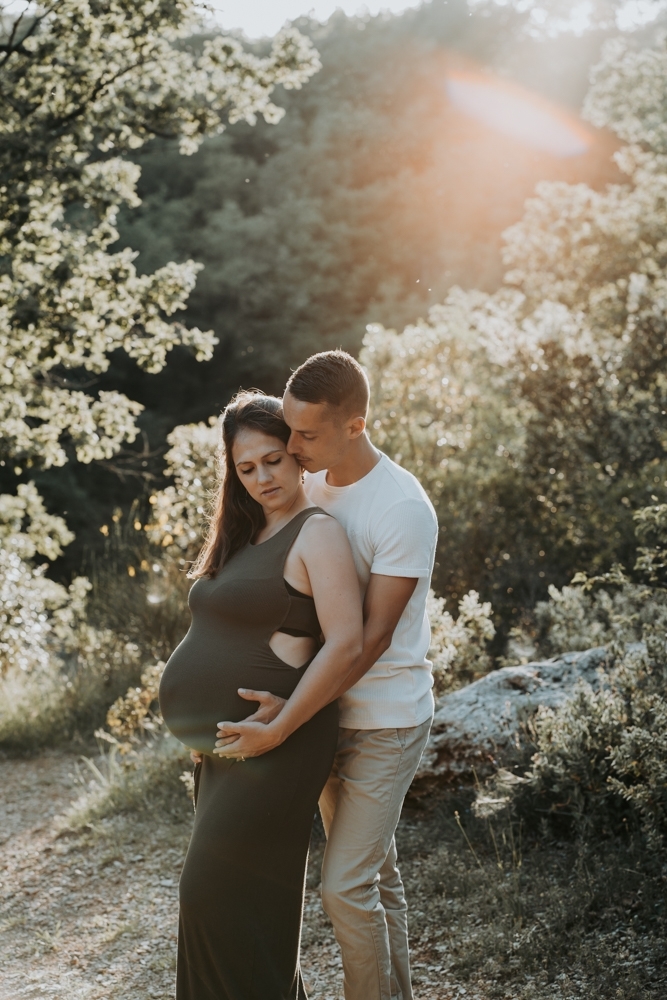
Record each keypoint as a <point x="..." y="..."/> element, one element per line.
<point x="236" y="517"/>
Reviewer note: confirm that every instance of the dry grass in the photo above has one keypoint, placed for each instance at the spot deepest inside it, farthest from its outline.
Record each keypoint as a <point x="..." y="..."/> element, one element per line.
<point x="144" y="781"/>
<point x="92" y="914"/>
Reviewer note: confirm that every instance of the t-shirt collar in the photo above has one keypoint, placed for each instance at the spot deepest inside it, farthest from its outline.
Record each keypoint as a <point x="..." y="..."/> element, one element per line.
<point x="339" y="490"/>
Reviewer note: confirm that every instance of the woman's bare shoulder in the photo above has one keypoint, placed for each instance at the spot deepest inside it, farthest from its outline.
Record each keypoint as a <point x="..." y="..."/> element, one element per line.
<point x="323" y="528"/>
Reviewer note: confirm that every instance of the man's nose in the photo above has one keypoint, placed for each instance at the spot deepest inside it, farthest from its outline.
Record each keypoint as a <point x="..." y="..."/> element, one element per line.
<point x="291" y="445"/>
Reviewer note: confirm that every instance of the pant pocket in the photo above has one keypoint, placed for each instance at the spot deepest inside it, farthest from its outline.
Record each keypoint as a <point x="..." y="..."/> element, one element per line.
<point x="402" y="737"/>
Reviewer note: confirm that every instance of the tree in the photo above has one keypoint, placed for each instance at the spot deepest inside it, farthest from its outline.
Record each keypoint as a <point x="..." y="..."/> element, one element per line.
<point x="364" y="204"/>
<point x="534" y="416"/>
<point x="82" y="84"/>
<point x="537" y="415"/>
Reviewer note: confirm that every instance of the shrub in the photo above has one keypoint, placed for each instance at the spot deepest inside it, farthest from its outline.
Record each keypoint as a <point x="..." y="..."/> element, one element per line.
<point x="600" y="765"/>
<point x="83" y="652"/>
<point x="69" y="695"/>
<point x="459" y="647"/>
<point x="143" y="765"/>
<point x="582" y="616"/>
<point x="139" y="588"/>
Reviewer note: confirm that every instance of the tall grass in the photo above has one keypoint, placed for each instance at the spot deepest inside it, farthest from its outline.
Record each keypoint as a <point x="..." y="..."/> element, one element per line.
<point x="156" y="777"/>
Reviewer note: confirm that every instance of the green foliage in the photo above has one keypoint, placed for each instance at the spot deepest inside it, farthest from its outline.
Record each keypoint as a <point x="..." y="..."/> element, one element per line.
<point x="82" y="84"/>
<point x="94" y="645"/>
<point x="601" y="759"/>
<point x="651" y="526"/>
<point x="365" y="204"/>
<point x="136" y="713"/>
<point x="69" y="695"/>
<point x="78" y="81"/>
<point x="639" y="767"/>
<point x="536" y="416"/>
<point x="600" y="765"/>
<point x="139" y="591"/>
<point x="575" y="618"/>
<point x="459" y="648"/>
<point x="349" y="211"/>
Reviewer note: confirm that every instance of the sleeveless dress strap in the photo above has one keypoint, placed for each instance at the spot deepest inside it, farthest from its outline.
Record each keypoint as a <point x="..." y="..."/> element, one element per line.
<point x="290" y="533"/>
<point x="272" y="553"/>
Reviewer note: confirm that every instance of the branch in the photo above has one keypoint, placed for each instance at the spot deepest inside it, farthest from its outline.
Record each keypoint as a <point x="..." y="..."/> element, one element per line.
<point x="127" y="461"/>
<point x="58" y="123"/>
<point x="10" y="48"/>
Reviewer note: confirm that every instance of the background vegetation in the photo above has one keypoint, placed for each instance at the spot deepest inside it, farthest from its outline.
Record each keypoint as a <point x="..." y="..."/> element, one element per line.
<point x="365" y="203"/>
<point x="530" y="398"/>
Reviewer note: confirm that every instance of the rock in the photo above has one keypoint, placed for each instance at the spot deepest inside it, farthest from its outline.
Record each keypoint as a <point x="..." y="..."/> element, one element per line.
<point x="482" y="726"/>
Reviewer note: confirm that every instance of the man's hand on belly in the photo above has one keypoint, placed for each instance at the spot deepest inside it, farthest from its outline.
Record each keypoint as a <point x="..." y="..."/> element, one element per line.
<point x="270" y="707"/>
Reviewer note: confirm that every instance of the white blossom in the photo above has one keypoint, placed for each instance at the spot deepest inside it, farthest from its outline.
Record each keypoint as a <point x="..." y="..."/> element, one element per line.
<point x="81" y="84"/>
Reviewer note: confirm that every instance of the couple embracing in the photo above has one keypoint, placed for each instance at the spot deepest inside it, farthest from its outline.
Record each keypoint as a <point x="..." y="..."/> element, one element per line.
<point x="303" y="679"/>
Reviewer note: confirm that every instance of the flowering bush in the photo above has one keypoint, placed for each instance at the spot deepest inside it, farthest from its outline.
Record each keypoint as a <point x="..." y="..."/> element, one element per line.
<point x="80" y="81"/>
<point x="136" y="712"/>
<point x="536" y="416"/>
<point x="36" y="614"/>
<point x="601" y="758"/>
<point x="178" y="511"/>
<point x="459" y="647"/>
<point x="82" y="84"/>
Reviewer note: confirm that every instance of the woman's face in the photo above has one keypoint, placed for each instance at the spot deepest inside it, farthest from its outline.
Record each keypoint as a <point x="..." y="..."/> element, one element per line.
<point x="270" y="475"/>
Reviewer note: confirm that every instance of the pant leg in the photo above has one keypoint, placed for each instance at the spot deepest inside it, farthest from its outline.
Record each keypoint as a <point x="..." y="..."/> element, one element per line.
<point x="360" y="806"/>
<point x="392" y="896"/>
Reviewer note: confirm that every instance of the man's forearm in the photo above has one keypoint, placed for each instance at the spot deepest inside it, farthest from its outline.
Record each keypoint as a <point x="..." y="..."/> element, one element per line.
<point x="317" y="688"/>
<point x="385" y="601"/>
<point x="375" y="644"/>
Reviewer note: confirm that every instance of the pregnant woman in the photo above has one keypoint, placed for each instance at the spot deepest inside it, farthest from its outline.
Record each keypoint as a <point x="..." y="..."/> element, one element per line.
<point x="275" y="607"/>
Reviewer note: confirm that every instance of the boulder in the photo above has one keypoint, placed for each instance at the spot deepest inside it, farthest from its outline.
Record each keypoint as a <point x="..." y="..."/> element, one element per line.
<point x="483" y="726"/>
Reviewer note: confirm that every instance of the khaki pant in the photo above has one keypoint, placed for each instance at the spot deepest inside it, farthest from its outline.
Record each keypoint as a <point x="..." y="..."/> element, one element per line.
<point x="362" y="889"/>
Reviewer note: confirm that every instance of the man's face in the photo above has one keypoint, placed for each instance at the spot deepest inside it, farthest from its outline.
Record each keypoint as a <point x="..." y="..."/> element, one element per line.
<point x="318" y="441"/>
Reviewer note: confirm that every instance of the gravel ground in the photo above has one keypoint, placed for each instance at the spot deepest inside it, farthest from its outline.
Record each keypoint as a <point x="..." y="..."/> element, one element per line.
<point x="93" y="915"/>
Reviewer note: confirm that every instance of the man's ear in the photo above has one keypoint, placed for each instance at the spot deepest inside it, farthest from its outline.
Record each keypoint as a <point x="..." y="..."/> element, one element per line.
<point x="356" y="427"/>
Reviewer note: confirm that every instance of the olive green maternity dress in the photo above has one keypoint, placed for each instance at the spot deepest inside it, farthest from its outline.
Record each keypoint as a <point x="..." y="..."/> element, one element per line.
<point x="241" y="890"/>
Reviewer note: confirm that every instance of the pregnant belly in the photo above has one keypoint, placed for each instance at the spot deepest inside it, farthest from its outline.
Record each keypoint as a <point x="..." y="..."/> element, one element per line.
<point x="199" y="687"/>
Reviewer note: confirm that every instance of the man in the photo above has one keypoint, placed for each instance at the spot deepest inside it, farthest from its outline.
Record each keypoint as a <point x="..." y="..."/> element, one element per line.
<point x="386" y="703"/>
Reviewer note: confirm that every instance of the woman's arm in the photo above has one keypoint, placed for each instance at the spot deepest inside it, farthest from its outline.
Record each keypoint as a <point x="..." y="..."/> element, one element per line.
<point x="327" y="557"/>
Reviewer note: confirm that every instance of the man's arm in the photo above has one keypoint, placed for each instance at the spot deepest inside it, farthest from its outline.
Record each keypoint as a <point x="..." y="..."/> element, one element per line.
<point x="404" y="541"/>
<point x="326" y="554"/>
<point x="385" y="601"/>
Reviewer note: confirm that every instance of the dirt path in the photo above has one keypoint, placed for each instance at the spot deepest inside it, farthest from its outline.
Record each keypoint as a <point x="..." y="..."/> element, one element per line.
<point x="94" y="915"/>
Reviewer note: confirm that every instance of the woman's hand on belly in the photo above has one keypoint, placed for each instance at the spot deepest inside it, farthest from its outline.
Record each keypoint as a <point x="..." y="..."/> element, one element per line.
<point x="246" y="739"/>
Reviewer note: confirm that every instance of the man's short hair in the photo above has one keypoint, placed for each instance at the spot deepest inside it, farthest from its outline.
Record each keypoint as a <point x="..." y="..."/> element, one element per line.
<point x="334" y="378"/>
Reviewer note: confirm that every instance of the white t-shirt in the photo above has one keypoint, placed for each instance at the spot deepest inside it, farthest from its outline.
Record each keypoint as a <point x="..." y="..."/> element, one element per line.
<point x="392" y="529"/>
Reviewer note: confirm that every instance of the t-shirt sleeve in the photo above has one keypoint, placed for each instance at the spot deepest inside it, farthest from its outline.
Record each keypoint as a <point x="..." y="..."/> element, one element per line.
<point x="405" y="540"/>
